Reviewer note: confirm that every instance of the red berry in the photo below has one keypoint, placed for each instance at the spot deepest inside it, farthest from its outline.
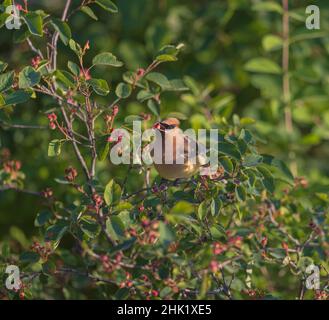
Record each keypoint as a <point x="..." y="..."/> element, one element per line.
<point x="155" y="293"/>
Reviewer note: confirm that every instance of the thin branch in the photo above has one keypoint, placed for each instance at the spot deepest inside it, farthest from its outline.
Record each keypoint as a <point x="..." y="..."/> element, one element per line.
<point x="15" y="188"/>
<point x="4" y="124"/>
<point x="286" y="79"/>
<point x="34" y="49"/>
<point x="56" y="35"/>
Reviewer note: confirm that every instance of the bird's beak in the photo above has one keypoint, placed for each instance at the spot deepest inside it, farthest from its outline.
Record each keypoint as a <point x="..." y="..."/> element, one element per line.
<point x="157" y="126"/>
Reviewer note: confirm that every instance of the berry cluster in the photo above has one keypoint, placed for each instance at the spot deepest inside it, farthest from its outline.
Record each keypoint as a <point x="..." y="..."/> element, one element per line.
<point x="70" y="174"/>
<point x="43" y="251"/>
<point x="52" y="121"/>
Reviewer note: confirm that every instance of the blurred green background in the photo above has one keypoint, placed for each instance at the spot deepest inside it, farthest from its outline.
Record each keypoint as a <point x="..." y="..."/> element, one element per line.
<point x="220" y="37"/>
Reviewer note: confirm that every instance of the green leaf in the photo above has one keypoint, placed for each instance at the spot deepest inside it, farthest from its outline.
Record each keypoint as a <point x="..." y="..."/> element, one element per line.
<point x="159" y="79"/>
<point x="123" y="90"/>
<point x="74" y="68"/>
<point x="144" y="95"/>
<point x="2" y="101"/>
<point x="267" y="6"/>
<point x="65" y="78"/>
<point x="104" y="152"/>
<point x="42" y="218"/>
<point x="167" y="53"/>
<point x="262" y="65"/>
<point x="154" y="107"/>
<point x="63" y="29"/>
<point x="6" y="80"/>
<point x="115" y="227"/>
<point x="202" y="210"/>
<point x="118" y="226"/>
<point x="55" y="232"/>
<point x="3" y="66"/>
<point x="107" y="59"/>
<point x="107" y="5"/>
<point x="181" y="212"/>
<point x="215" y="206"/>
<point x="182" y="207"/>
<point x="268" y="180"/>
<point x="252" y="160"/>
<point x="75" y="47"/>
<point x="240" y="192"/>
<point x="279" y="164"/>
<point x="88" y="11"/>
<point x="90" y="227"/>
<point x="167" y="234"/>
<point x="271" y="42"/>
<point x="28" y="77"/>
<point x="112" y="193"/>
<point x="100" y="86"/>
<point x="21" y="34"/>
<point x="54" y="148"/>
<point x="177" y="85"/>
<point x="19" y="96"/>
<point x="229" y="149"/>
<point x="166" y="58"/>
<point x="124" y="245"/>
<point x="227" y="164"/>
<point x="29" y="257"/>
<point x="34" y="23"/>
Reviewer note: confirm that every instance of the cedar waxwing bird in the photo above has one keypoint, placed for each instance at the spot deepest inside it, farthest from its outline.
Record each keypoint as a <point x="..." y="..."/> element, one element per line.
<point x="175" y="155"/>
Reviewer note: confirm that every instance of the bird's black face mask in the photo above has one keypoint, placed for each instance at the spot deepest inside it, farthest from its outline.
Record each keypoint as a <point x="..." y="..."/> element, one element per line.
<point x="162" y="126"/>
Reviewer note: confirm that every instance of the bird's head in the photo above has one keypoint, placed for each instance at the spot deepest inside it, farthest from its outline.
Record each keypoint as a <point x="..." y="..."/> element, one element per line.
<point x="168" y="124"/>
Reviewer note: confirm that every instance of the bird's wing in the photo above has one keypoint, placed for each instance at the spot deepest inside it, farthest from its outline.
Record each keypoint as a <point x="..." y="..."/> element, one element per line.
<point x="194" y="151"/>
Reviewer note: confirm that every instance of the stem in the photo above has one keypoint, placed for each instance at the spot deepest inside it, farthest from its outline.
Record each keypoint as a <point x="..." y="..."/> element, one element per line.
<point x="10" y="187"/>
<point x="56" y="35"/>
<point x="75" y="146"/>
<point x="286" y="80"/>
